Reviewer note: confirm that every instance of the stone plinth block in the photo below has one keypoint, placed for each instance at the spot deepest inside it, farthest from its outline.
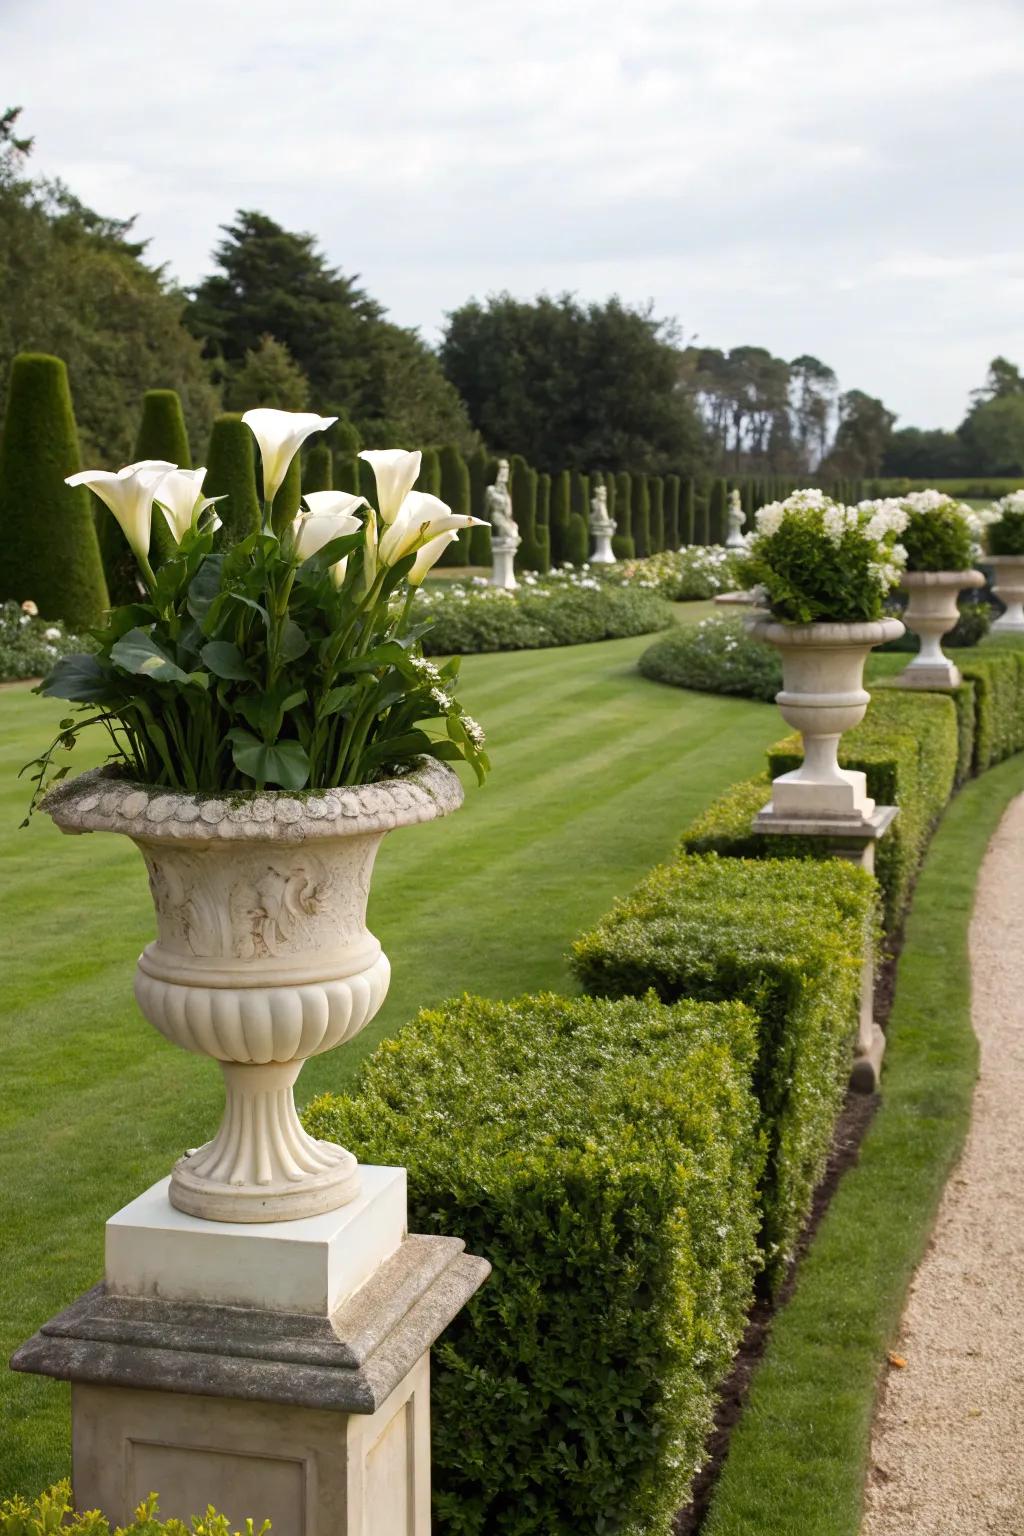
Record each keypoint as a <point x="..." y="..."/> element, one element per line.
<point x="319" y="1423"/>
<point x="311" y="1265"/>
<point x="503" y="554"/>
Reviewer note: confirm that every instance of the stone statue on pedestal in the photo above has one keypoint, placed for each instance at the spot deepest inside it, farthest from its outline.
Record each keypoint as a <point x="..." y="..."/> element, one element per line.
<point x="505" y="538"/>
<point x="602" y="526"/>
<point x="735" y="538"/>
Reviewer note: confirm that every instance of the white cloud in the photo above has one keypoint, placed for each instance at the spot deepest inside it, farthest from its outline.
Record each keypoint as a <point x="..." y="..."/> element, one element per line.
<point x="802" y="174"/>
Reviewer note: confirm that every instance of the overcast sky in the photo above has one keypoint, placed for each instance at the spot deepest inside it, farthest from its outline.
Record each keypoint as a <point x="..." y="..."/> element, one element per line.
<point x="839" y="177"/>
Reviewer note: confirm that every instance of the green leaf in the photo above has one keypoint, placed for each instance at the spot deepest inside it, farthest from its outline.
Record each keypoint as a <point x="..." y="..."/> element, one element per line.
<point x="204" y="586"/>
<point x="397" y="748"/>
<point x="225" y="660"/>
<point x="293" y="642"/>
<point x="139" y="653"/>
<point x="284" y="763"/>
<point x="339" y="699"/>
<point x="83" y="679"/>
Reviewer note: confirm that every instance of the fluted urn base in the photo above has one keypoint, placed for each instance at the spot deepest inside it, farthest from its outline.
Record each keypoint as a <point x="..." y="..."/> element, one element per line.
<point x="262" y="1165"/>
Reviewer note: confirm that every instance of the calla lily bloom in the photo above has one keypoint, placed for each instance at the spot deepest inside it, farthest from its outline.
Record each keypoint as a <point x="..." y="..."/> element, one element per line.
<point x="429" y="555"/>
<point x="330" y="516"/>
<point x="395" y="472"/>
<point x="419" y="520"/>
<point x="129" y="494"/>
<point x="280" y="435"/>
<point x="180" y="498"/>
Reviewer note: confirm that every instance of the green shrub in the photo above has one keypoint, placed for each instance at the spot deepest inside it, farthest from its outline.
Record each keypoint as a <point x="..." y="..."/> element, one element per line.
<point x="656" y="491"/>
<point x="544" y="522"/>
<point x="688" y="513"/>
<point x="673" y="488"/>
<point x="603" y="1157"/>
<point x="938" y="536"/>
<point x="523" y="486"/>
<point x="162" y="434"/>
<point x="558" y="518"/>
<point x="29" y="646"/>
<point x="347" y="476"/>
<point x="680" y="575"/>
<point x="641" y="517"/>
<point x="718" y="513"/>
<point x="715" y="656"/>
<point x="820" y="560"/>
<point x="52" y="1512"/>
<point x="318" y="470"/>
<point x="557" y="611"/>
<point x="577" y="545"/>
<point x="231" y="472"/>
<point x="456" y="492"/>
<point x="623" y="546"/>
<point x="429" y="481"/>
<point x="786" y="936"/>
<point x="1005" y="535"/>
<point x="998" y="678"/>
<point x="908" y="747"/>
<point x="50" y="552"/>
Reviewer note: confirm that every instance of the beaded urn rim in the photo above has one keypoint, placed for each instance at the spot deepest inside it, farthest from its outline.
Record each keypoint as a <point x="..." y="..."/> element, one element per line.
<point x="99" y="801"/>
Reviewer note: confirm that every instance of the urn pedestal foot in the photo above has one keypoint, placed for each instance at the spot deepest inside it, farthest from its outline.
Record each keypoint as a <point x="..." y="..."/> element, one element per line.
<point x="262" y="1165"/>
<point x="503" y="554"/>
<point x="933" y="676"/>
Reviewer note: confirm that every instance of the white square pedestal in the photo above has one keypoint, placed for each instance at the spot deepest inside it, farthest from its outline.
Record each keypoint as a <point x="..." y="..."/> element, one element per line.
<point x="308" y="1266"/>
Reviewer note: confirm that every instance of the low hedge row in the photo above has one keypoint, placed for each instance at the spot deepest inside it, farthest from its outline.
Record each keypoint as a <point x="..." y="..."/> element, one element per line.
<point x="605" y="1157"/>
<point x="911" y="746"/>
<point x="715" y="656"/>
<point x="52" y="1514"/>
<point x="470" y="620"/>
<point x="997" y="673"/>
<point x="788" y="938"/>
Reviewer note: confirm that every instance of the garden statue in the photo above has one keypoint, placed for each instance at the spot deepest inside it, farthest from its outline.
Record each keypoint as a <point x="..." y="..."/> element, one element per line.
<point x="735" y="538"/>
<point x="602" y="526"/>
<point x="505" y="538"/>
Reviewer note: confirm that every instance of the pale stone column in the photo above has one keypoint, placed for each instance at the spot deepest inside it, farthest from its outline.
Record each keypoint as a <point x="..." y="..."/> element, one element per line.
<point x="278" y="1370"/>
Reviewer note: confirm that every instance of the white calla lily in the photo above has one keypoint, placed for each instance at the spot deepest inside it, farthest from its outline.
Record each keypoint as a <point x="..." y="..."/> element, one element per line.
<point x="330" y="516"/>
<point x="419" y="520"/>
<point x="129" y="494"/>
<point x="395" y="472"/>
<point x="280" y="435"/>
<point x="429" y="555"/>
<point x="180" y="498"/>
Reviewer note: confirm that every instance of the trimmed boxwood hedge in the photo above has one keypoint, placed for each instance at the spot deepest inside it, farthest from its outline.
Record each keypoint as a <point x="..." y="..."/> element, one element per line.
<point x="468" y="621"/>
<point x="604" y="1157"/>
<point x="911" y="747"/>
<point x="786" y="936"/>
<point x="998" y="678"/>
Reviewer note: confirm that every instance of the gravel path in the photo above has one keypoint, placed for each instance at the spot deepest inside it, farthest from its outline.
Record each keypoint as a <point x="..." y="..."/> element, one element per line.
<point x="947" y="1452"/>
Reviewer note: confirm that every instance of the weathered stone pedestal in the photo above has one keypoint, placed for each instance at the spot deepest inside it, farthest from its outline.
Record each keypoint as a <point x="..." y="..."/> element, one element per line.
<point x="601" y="534"/>
<point x="503" y="554"/>
<point x="854" y="838"/>
<point x="278" y="1370"/>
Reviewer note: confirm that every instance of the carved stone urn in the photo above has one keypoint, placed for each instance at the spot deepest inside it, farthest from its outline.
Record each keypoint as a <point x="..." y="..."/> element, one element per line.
<point x="822" y="696"/>
<point x="932" y="612"/>
<point x="262" y="959"/>
<point x="1008" y="586"/>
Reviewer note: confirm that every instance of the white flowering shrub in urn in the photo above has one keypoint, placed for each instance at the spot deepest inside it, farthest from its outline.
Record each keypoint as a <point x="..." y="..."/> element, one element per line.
<point x="270" y="717"/>
<point x="824" y="570"/>
<point x="1004" y="523"/>
<point x="939" y="537"/>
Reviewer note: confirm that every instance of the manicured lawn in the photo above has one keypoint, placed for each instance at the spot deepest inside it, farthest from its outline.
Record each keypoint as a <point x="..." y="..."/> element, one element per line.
<point x="595" y="772"/>
<point x="797" y="1459"/>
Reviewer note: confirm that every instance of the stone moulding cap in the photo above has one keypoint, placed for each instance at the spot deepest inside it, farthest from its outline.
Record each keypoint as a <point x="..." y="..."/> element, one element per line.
<point x="971" y="578"/>
<point x="98" y="801"/>
<point x="823" y="633"/>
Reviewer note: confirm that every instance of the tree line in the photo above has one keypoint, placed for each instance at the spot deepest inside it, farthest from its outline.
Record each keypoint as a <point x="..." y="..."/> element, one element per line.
<point x="599" y="387"/>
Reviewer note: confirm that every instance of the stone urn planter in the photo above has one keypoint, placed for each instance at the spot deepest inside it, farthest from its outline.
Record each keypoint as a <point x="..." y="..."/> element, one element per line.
<point x="262" y="959"/>
<point x="1008" y="586"/>
<point x="822" y="696"/>
<point x="932" y="612"/>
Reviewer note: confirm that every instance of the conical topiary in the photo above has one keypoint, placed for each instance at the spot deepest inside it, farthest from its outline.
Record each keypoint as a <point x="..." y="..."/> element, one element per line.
<point x="456" y="492"/>
<point x="346" y="473"/>
<point x="672" y="499"/>
<point x="558" y="517"/>
<point x="162" y="434"/>
<point x="288" y="498"/>
<point x="577" y="540"/>
<point x="543" y="522"/>
<point x="688" y="512"/>
<point x="231" y="472"/>
<point x="523" y="485"/>
<point x="430" y="473"/>
<point x="318" y="470"/>
<point x="623" y="547"/>
<point x="641" y="516"/>
<point x="50" y="551"/>
<point x="656" y="491"/>
<point x="483" y="471"/>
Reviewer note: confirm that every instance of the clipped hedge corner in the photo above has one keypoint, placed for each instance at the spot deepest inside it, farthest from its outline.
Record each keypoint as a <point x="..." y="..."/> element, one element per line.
<point x="786" y="936"/>
<point x="604" y="1157"/>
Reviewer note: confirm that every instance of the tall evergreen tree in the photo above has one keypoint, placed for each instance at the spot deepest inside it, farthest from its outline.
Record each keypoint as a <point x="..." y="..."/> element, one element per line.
<point x="717" y="506"/>
<point x="318" y="470"/>
<point x="50" y="551"/>
<point x="559" y="517"/>
<point x="623" y="547"/>
<point x="429" y="481"/>
<point x="289" y="497"/>
<point x="231" y="472"/>
<point x="523" y="483"/>
<point x="577" y="549"/>
<point x="544" y="522"/>
<point x="688" y="512"/>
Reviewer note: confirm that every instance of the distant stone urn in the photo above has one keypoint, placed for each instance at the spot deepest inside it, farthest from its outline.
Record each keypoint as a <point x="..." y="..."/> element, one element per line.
<point x="262" y="959"/>
<point x="932" y="612"/>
